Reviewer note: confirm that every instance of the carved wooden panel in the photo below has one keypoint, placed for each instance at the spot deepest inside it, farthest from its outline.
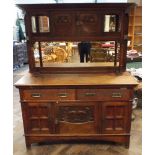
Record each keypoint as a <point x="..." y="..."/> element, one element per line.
<point x="39" y="118"/>
<point x="75" y="23"/>
<point x="76" y="118"/>
<point x="76" y="114"/>
<point x="114" y="117"/>
<point x="62" y="24"/>
<point x="87" y="23"/>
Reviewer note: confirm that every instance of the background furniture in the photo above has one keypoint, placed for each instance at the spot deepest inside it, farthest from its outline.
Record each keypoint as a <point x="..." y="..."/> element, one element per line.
<point x="19" y="55"/>
<point x="138" y="29"/>
<point x="135" y="28"/>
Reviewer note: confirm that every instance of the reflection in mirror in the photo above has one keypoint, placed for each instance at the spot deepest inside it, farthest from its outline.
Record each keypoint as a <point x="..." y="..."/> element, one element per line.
<point x="111" y="23"/>
<point x="105" y="53"/>
<point x="43" y="24"/>
<point x="58" y="52"/>
<point x="36" y="54"/>
<point x="99" y="53"/>
<point x="117" y="51"/>
<point x="33" y="21"/>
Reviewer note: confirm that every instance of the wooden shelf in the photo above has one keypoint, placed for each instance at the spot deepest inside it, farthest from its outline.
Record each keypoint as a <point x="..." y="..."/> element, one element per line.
<point x="138" y="34"/>
<point x="129" y="36"/>
<point x="138" y="25"/>
<point x="135" y="28"/>
<point x="137" y="44"/>
<point x="138" y="29"/>
<point x="131" y="27"/>
<point x="138" y="16"/>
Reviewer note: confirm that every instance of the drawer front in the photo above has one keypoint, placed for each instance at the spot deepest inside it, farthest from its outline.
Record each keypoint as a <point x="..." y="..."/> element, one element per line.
<point x="103" y="94"/>
<point x="49" y="94"/>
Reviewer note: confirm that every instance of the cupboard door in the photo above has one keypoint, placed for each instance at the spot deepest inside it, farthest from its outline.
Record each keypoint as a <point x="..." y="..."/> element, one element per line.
<point x="76" y="118"/>
<point x="115" y="117"/>
<point x="39" y="118"/>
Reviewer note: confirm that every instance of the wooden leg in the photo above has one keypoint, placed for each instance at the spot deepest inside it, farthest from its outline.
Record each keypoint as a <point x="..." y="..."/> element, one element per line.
<point x="28" y="144"/>
<point x="127" y="144"/>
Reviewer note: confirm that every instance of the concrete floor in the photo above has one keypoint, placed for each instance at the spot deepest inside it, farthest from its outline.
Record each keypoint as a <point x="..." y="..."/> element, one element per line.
<point x="71" y="148"/>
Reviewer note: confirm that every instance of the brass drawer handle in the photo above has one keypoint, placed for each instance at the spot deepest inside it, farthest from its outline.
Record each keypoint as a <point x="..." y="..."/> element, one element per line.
<point x="36" y="95"/>
<point x="63" y="95"/>
<point x="116" y="95"/>
<point x="90" y="94"/>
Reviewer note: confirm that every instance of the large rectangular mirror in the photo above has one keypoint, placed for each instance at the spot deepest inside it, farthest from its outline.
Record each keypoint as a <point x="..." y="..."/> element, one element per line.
<point x="98" y="53"/>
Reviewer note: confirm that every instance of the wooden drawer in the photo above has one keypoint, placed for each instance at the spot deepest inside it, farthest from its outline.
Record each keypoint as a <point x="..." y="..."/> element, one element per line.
<point x="48" y="94"/>
<point x="103" y="94"/>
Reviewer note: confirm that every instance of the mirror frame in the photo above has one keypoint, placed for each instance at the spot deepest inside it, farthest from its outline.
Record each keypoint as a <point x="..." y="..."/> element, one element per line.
<point x="120" y="9"/>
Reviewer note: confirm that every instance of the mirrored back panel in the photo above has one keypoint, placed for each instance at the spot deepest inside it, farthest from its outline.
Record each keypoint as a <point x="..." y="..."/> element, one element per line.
<point x="77" y="38"/>
<point x="99" y="53"/>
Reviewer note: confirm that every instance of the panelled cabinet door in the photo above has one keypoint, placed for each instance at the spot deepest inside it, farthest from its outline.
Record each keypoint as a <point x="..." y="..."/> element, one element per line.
<point x="115" y="117"/>
<point x="87" y="23"/>
<point x="39" y="118"/>
<point x="76" y="118"/>
<point x="62" y="23"/>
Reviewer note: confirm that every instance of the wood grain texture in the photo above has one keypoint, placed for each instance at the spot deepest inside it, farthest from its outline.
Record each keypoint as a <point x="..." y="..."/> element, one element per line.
<point x="112" y="79"/>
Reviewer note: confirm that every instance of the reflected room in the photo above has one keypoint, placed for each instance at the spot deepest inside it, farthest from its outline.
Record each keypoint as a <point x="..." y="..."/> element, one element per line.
<point x="98" y="53"/>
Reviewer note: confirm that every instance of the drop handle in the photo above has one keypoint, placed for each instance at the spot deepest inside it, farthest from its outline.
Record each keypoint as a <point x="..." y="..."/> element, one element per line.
<point x="36" y="95"/>
<point x="90" y="94"/>
<point x="116" y="95"/>
<point x="63" y="95"/>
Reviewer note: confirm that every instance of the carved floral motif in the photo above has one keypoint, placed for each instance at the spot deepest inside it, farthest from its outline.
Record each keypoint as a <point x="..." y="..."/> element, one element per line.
<point x="62" y="19"/>
<point x="76" y="114"/>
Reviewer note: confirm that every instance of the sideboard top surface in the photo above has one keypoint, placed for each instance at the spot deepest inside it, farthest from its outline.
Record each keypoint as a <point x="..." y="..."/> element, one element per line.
<point x="76" y="80"/>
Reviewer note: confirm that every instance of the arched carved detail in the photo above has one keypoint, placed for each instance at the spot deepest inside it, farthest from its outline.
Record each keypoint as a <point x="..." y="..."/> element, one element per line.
<point x="76" y="114"/>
